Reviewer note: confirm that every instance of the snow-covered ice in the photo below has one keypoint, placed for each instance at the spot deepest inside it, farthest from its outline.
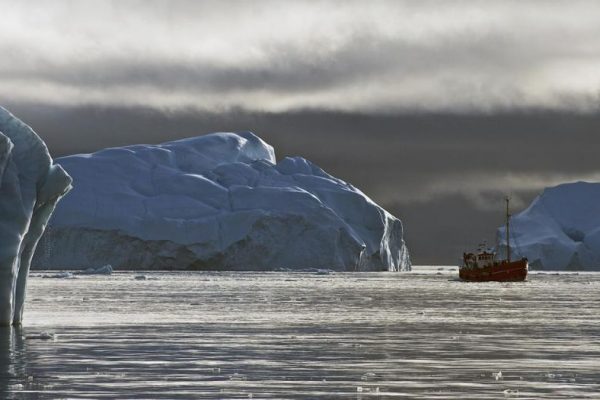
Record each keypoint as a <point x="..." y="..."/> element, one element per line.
<point x="560" y="229"/>
<point x="219" y="201"/>
<point x="30" y="187"/>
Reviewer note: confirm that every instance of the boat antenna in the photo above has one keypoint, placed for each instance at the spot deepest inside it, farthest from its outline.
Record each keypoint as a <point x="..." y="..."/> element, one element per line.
<point x="507" y="199"/>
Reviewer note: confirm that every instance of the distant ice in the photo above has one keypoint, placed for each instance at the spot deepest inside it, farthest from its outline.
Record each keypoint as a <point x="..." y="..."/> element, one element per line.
<point x="560" y="230"/>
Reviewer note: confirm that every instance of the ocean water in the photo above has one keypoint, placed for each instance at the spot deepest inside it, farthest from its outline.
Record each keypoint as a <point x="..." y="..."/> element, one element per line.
<point x="422" y="334"/>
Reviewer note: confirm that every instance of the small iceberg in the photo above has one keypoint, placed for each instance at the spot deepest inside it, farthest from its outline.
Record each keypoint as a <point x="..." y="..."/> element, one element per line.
<point x="60" y="275"/>
<point x="323" y="271"/>
<point x="237" y="377"/>
<point x="103" y="270"/>
<point x="42" y="335"/>
<point x="368" y="376"/>
<point x="145" y="278"/>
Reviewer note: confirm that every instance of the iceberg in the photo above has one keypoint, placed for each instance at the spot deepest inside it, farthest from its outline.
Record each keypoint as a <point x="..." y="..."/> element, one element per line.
<point x="30" y="187"/>
<point x="560" y="230"/>
<point x="215" y="202"/>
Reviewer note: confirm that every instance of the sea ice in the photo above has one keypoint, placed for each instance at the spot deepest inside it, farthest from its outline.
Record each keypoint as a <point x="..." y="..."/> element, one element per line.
<point x="219" y="201"/>
<point x="30" y="187"/>
<point x="559" y="230"/>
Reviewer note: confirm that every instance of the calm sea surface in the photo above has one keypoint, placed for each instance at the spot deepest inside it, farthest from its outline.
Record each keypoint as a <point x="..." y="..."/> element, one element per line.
<point x="422" y="334"/>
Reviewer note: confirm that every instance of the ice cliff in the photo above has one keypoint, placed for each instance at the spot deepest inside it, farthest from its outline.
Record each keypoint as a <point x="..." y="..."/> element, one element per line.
<point x="30" y="187"/>
<point x="560" y="230"/>
<point x="219" y="201"/>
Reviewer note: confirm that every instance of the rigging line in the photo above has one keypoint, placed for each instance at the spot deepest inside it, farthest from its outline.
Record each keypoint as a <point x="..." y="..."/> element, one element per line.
<point x="514" y="238"/>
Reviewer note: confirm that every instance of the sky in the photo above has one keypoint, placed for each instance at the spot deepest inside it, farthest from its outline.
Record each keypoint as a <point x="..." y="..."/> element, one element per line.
<point x="435" y="109"/>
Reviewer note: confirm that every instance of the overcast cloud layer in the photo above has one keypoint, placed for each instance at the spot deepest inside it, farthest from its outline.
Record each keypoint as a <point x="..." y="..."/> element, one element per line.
<point x="380" y="56"/>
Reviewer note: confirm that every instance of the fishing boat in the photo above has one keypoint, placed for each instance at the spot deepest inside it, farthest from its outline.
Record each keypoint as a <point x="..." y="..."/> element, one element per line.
<point x="483" y="265"/>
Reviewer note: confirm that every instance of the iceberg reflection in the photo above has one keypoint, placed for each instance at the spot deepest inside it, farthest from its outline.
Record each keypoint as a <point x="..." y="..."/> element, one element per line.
<point x="13" y="361"/>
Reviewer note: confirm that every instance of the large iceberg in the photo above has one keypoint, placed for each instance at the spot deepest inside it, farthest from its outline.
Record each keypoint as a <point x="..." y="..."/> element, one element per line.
<point x="218" y="202"/>
<point x="560" y="230"/>
<point x="30" y="187"/>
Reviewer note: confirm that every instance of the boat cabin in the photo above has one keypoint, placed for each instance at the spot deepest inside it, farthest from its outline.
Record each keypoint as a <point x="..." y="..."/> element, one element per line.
<point x="483" y="258"/>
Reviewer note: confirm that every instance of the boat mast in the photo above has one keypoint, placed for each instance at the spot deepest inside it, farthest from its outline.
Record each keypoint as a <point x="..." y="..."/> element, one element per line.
<point x="507" y="199"/>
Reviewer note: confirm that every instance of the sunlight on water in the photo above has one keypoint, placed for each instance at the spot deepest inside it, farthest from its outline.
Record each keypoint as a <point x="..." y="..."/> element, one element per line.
<point x="422" y="334"/>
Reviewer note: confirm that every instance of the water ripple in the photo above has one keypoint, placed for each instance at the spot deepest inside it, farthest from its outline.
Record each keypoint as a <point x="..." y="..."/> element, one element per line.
<point x="299" y="335"/>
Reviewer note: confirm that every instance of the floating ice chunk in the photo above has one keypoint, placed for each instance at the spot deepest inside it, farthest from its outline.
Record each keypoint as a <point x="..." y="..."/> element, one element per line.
<point x="237" y="377"/>
<point x="42" y="335"/>
<point x="551" y="375"/>
<point x="368" y="376"/>
<point x="60" y="275"/>
<point x="103" y="270"/>
<point x="324" y="272"/>
<point x="497" y="375"/>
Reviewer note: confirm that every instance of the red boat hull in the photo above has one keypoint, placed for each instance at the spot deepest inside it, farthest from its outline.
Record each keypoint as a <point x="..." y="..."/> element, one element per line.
<point x="503" y="271"/>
